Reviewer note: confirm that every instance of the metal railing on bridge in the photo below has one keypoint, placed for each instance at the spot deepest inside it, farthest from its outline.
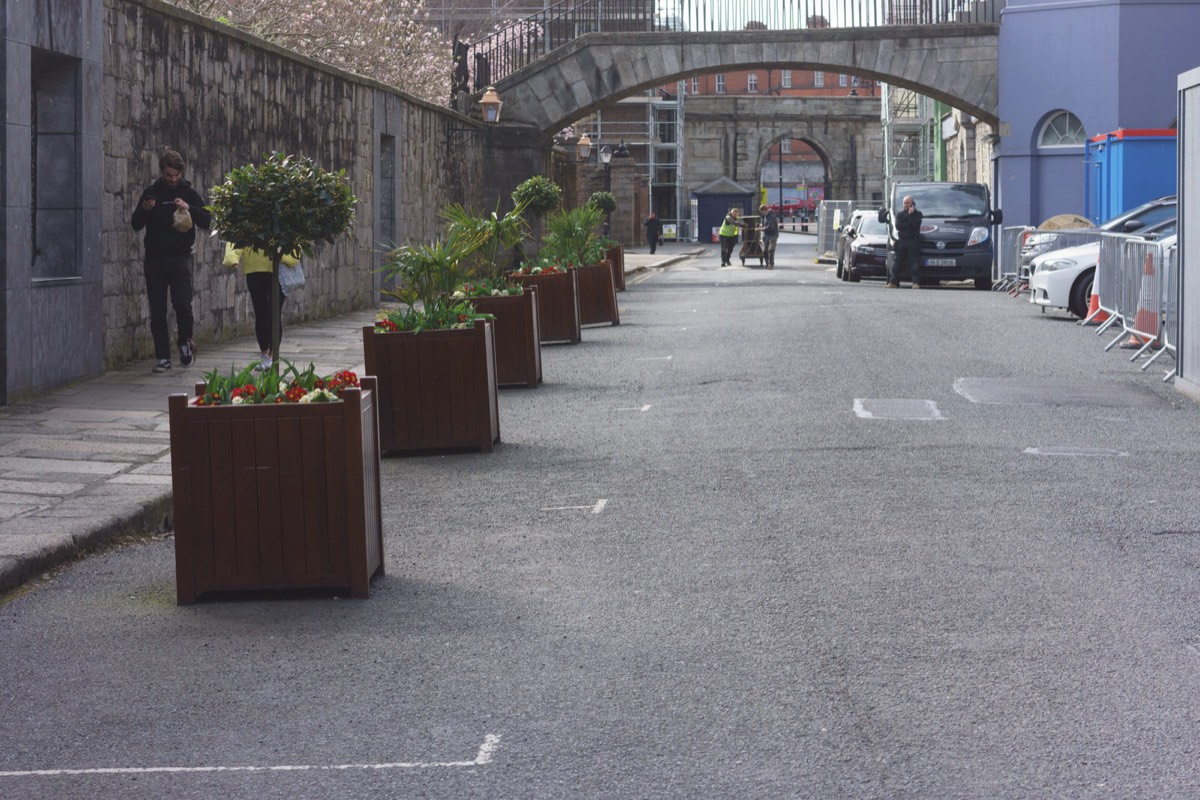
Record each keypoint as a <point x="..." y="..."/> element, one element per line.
<point x="524" y="41"/>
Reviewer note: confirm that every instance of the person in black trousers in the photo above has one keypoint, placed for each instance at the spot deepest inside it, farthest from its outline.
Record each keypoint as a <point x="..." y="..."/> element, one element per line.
<point x="168" y="264"/>
<point x="908" y="245"/>
<point x="653" y="231"/>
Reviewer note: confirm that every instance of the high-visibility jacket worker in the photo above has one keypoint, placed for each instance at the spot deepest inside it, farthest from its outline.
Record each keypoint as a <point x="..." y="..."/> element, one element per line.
<point x="729" y="234"/>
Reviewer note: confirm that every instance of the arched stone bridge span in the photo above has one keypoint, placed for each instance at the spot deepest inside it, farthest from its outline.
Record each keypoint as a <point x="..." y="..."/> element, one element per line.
<point x="952" y="63"/>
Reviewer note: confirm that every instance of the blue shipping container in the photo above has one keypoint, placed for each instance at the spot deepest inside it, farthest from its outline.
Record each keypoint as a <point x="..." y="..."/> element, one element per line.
<point x="1126" y="168"/>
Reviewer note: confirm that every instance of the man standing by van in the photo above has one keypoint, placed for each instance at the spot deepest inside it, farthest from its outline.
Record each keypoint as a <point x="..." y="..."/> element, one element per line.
<point x="908" y="245"/>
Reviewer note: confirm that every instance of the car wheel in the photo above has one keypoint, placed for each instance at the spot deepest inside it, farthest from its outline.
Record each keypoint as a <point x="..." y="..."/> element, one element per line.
<point x="851" y="274"/>
<point x="983" y="284"/>
<point x="1081" y="293"/>
<point x="841" y="271"/>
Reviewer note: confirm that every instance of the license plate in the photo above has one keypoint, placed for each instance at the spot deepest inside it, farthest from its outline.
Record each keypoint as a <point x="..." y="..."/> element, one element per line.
<point x="939" y="262"/>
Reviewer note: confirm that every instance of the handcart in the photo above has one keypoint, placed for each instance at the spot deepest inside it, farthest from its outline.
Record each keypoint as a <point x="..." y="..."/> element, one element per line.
<point x="751" y="240"/>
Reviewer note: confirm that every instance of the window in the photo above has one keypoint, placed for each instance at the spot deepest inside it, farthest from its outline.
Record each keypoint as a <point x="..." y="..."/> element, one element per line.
<point x="752" y="82"/>
<point x="785" y="146"/>
<point x="785" y="79"/>
<point x="696" y="84"/>
<point x="843" y="80"/>
<point x="54" y="167"/>
<point x="1062" y="129"/>
<point x="720" y="84"/>
<point x="818" y="79"/>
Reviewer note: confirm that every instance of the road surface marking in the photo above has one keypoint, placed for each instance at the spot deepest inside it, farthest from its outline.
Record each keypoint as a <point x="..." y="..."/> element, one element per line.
<point x="595" y="508"/>
<point x="655" y="358"/>
<point x="487" y="751"/>
<point x="897" y="408"/>
<point x="1058" y="450"/>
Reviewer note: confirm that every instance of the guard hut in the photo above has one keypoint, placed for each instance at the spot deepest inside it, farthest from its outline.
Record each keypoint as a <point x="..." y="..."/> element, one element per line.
<point x="1126" y="168"/>
<point x="713" y="201"/>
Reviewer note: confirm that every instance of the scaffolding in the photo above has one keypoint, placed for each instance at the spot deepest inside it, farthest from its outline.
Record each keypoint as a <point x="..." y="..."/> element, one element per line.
<point x="650" y="125"/>
<point x="909" y="131"/>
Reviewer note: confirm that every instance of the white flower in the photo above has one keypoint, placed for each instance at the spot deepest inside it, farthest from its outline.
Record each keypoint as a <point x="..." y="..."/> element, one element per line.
<point x="458" y="295"/>
<point x="318" y="396"/>
<point x="496" y="292"/>
<point x="237" y="401"/>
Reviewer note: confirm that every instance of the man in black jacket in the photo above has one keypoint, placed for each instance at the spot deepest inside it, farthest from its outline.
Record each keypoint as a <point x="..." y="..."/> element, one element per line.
<point x="170" y="210"/>
<point x="908" y="245"/>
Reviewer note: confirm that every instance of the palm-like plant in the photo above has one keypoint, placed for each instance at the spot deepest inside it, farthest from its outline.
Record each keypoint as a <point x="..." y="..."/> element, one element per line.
<point x="571" y="237"/>
<point x="500" y="235"/>
<point x="428" y="274"/>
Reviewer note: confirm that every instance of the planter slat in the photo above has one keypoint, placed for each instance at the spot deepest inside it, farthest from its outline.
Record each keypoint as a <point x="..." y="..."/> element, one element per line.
<point x="518" y="336"/>
<point x="276" y="496"/>
<point x="597" y="295"/>
<point x="558" y="305"/>
<point x="440" y="389"/>
<point x="616" y="257"/>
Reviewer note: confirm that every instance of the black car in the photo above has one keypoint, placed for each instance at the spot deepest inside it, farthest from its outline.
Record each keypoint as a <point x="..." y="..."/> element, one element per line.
<point x="865" y="249"/>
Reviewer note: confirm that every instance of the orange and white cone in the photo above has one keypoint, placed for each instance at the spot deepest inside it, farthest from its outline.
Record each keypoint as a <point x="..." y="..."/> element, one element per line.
<point x="1094" y="315"/>
<point x="1146" y="319"/>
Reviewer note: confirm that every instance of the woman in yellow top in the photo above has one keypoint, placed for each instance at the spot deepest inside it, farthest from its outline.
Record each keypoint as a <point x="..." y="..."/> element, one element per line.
<point x="256" y="266"/>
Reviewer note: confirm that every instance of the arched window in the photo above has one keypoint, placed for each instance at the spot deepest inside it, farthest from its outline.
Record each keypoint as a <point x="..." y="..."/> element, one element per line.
<point x="1062" y="129"/>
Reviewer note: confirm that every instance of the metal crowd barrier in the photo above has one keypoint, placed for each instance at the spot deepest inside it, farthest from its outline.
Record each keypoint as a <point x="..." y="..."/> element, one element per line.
<point x="1007" y="268"/>
<point x="1108" y="281"/>
<point x="1170" y="309"/>
<point x="1143" y="293"/>
<point x="827" y="230"/>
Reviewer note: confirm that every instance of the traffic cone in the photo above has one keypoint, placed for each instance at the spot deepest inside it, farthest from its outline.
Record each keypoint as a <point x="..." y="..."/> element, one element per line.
<point x="1146" y="319"/>
<point x="1094" y="315"/>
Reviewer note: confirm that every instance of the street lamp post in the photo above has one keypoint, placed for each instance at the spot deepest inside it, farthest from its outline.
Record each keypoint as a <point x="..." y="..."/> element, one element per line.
<point x="605" y="157"/>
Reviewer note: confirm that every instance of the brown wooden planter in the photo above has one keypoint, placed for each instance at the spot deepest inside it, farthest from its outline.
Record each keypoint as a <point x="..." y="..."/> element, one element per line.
<point x="597" y="295"/>
<point x="437" y="389"/>
<point x="518" y="339"/>
<point x="616" y="257"/>
<point x="276" y="497"/>
<point x="558" y="305"/>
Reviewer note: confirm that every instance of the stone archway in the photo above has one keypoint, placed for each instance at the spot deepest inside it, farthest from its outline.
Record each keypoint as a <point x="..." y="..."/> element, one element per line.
<point x="954" y="63"/>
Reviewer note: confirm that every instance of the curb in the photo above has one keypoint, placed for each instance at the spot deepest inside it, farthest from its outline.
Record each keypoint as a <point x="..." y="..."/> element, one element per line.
<point x="80" y="536"/>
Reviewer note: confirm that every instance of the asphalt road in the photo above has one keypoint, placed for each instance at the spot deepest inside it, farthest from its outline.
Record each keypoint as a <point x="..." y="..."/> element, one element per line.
<point x="775" y="536"/>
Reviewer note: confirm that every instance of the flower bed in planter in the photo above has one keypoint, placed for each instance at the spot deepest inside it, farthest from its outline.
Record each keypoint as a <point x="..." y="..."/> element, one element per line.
<point x="518" y="339"/>
<point x="597" y="295"/>
<point x="276" y="496"/>
<point x="437" y="388"/>
<point x="558" y="304"/>
<point x="616" y="257"/>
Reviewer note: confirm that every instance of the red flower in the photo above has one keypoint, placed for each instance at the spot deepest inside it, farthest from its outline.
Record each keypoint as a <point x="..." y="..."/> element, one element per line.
<point x="387" y="325"/>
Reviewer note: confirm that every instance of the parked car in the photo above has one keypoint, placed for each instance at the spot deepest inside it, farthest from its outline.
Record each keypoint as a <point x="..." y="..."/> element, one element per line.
<point x="790" y="208"/>
<point x="842" y="233"/>
<point x="1063" y="278"/>
<point x="1143" y="216"/>
<point x="863" y="250"/>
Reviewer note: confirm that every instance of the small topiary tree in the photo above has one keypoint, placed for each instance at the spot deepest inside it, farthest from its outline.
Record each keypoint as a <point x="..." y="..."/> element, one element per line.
<point x="283" y="205"/>
<point x="538" y="196"/>
<point x="605" y="201"/>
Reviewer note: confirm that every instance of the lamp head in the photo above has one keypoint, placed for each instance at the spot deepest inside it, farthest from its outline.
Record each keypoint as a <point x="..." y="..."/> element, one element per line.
<point x="491" y="104"/>
<point x="584" y="147"/>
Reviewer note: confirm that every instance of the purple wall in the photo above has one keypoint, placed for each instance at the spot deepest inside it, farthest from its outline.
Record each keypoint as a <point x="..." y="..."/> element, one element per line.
<point x="1112" y="63"/>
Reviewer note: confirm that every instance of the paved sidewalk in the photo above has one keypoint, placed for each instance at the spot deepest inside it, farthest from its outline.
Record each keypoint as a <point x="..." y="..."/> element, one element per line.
<point x="83" y="465"/>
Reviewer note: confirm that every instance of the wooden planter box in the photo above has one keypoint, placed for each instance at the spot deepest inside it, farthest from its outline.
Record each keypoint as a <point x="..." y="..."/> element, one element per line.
<point x="558" y="305"/>
<point x="616" y="257"/>
<point x="518" y="338"/>
<point x="437" y="389"/>
<point x="597" y="295"/>
<point x="276" y="497"/>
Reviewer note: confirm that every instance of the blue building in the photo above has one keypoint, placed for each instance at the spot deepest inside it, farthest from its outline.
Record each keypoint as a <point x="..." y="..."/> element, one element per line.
<point x="1069" y="71"/>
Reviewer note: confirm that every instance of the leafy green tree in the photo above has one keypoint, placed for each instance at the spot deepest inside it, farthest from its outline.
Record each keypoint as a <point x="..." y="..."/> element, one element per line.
<point x="282" y="205"/>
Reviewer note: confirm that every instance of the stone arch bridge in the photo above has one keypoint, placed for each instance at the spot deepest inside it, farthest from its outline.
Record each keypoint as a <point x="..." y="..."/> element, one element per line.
<point x="952" y="63"/>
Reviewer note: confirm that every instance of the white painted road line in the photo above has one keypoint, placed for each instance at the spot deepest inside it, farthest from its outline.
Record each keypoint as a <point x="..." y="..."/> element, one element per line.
<point x="897" y="408"/>
<point x="1093" y="452"/>
<point x="595" y="508"/>
<point x="487" y="751"/>
<point x="635" y="408"/>
<point x="655" y="358"/>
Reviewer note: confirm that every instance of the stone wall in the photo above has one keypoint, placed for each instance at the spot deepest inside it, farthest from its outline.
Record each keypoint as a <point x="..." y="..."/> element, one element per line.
<point x="224" y="99"/>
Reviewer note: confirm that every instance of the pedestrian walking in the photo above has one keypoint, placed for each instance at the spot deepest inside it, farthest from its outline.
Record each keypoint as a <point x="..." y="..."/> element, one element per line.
<point x="653" y="227"/>
<point x="170" y="210"/>
<point x="256" y="266"/>
<point x="770" y="234"/>
<point x="907" y="253"/>
<point x="729" y="235"/>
